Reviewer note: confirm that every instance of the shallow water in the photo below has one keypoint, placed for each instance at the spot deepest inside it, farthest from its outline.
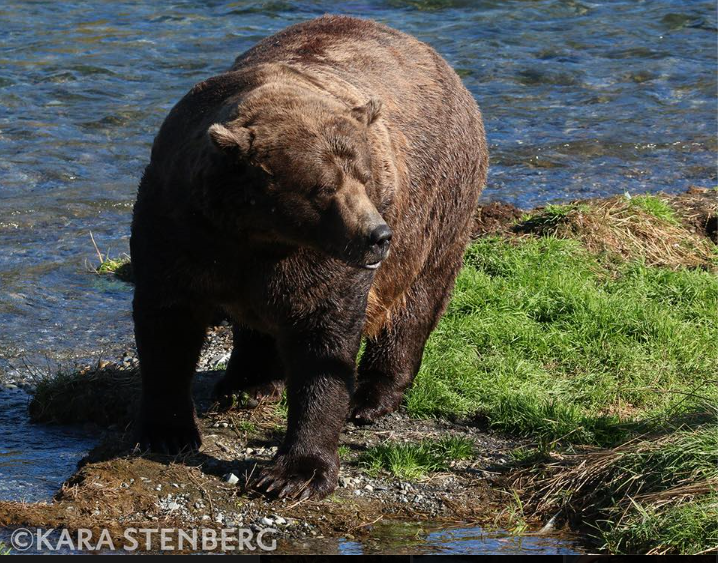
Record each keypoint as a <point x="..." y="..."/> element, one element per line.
<point x="35" y="459"/>
<point x="580" y="99"/>
<point x="399" y="538"/>
<point x="415" y="539"/>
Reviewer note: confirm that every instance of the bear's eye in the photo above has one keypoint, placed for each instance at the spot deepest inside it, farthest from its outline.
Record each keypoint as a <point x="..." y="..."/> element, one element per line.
<point x="321" y="190"/>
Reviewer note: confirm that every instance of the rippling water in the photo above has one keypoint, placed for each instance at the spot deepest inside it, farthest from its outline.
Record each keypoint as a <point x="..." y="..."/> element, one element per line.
<point x="35" y="459"/>
<point x="580" y="99"/>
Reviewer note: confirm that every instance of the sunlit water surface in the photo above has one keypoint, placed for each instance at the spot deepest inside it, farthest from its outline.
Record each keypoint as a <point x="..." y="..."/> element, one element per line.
<point x="580" y="99"/>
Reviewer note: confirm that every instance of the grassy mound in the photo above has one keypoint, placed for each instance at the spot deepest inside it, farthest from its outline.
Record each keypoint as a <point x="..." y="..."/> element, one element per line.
<point x="594" y="325"/>
<point x="645" y="228"/>
<point x="105" y="394"/>
<point x="546" y="340"/>
<point x="653" y="494"/>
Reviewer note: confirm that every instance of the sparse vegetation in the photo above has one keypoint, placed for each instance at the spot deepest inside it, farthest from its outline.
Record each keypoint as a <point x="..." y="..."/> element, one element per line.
<point x="246" y="426"/>
<point x="656" y="206"/>
<point x="414" y="460"/>
<point x="120" y="267"/>
<point x="656" y="493"/>
<point x="644" y="228"/>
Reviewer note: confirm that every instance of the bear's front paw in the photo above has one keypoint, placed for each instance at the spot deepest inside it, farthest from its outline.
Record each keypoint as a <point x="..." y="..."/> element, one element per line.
<point x="169" y="435"/>
<point x="299" y="476"/>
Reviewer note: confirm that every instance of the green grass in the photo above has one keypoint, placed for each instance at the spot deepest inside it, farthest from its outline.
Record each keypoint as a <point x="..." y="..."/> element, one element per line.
<point x="413" y="460"/>
<point x="690" y="527"/>
<point x="548" y="340"/>
<point x="544" y="340"/>
<point x="4" y="550"/>
<point x="656" y="494"/>
<point x="246" y="426"/>
<point x="120" y="267"/>
<point x="656" y="206"/>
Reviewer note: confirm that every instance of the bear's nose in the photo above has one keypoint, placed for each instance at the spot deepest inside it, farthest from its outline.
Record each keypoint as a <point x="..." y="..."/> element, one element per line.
<point x="381" y="236"/>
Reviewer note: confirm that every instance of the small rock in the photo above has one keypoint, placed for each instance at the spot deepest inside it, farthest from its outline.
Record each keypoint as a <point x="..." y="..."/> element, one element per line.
<point x="279" y="521"/>
<point x="267" y="521"/>
<point x="224" y="425"/>
<point x="369" y="488"/>
<point x="231" y="478"/>
<point x="158" y="488"/>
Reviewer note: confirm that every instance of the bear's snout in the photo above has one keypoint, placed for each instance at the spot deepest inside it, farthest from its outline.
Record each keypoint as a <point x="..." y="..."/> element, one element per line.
<point x="378" y="240"/>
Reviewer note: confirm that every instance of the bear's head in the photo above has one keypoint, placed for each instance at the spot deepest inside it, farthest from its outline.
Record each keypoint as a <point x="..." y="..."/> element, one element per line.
<point x="300" y="172"/>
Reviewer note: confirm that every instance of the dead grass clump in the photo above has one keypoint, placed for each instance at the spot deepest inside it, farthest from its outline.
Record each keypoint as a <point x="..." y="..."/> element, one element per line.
<point x="105" y="394"/>
<point x="630" y="493"/>
<point x="643" y="228"/>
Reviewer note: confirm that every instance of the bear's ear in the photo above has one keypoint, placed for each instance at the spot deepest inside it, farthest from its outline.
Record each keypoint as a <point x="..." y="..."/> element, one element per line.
<point x="230" y="140"/>
<point x="367" y="113"/>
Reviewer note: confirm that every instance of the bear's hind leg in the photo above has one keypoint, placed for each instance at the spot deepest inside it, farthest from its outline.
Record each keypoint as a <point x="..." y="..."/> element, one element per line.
<point x="392" y="359"/>
<point x="254" y="369"/>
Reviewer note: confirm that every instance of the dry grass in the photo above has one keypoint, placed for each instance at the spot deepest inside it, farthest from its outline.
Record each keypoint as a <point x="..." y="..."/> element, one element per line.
<point x="632" y="492"/>
<point x="104" y="394"/>
<point x="641" y="228"/>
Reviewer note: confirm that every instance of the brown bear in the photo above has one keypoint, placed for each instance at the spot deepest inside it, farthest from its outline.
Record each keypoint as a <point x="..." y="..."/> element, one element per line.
<point x="320" y="191"/>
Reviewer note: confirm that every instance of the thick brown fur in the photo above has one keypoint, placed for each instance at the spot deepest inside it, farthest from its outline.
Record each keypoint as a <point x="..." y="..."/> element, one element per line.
<point x="274" y="191"/>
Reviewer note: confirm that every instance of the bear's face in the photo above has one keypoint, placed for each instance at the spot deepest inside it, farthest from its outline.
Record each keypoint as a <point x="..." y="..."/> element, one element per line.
<point x="307" y="181"/>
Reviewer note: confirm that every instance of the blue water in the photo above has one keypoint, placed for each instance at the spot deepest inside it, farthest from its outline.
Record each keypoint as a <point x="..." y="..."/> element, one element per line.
<point x="35" y="459"/>
<point x="580" y="99"/>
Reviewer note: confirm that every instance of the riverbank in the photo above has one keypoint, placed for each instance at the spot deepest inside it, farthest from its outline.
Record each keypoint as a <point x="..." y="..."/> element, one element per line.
<point x="567" y="387"/>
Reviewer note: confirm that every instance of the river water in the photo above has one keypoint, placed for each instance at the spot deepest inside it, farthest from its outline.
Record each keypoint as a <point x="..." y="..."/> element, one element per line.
<point x="580" y="99"/>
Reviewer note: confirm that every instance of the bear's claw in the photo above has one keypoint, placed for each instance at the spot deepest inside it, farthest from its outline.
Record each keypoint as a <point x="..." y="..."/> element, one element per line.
<point x="299" y="477"/>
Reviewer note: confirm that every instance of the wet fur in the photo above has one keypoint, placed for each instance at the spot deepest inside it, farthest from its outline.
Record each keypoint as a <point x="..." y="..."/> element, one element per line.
<point x="299" y="312"/>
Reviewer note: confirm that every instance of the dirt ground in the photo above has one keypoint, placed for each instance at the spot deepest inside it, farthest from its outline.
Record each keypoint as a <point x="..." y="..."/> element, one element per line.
<point x="116" y="488"/>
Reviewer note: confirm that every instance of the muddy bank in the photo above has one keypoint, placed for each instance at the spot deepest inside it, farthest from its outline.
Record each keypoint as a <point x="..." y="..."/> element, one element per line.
<point x="116" y="488"/>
